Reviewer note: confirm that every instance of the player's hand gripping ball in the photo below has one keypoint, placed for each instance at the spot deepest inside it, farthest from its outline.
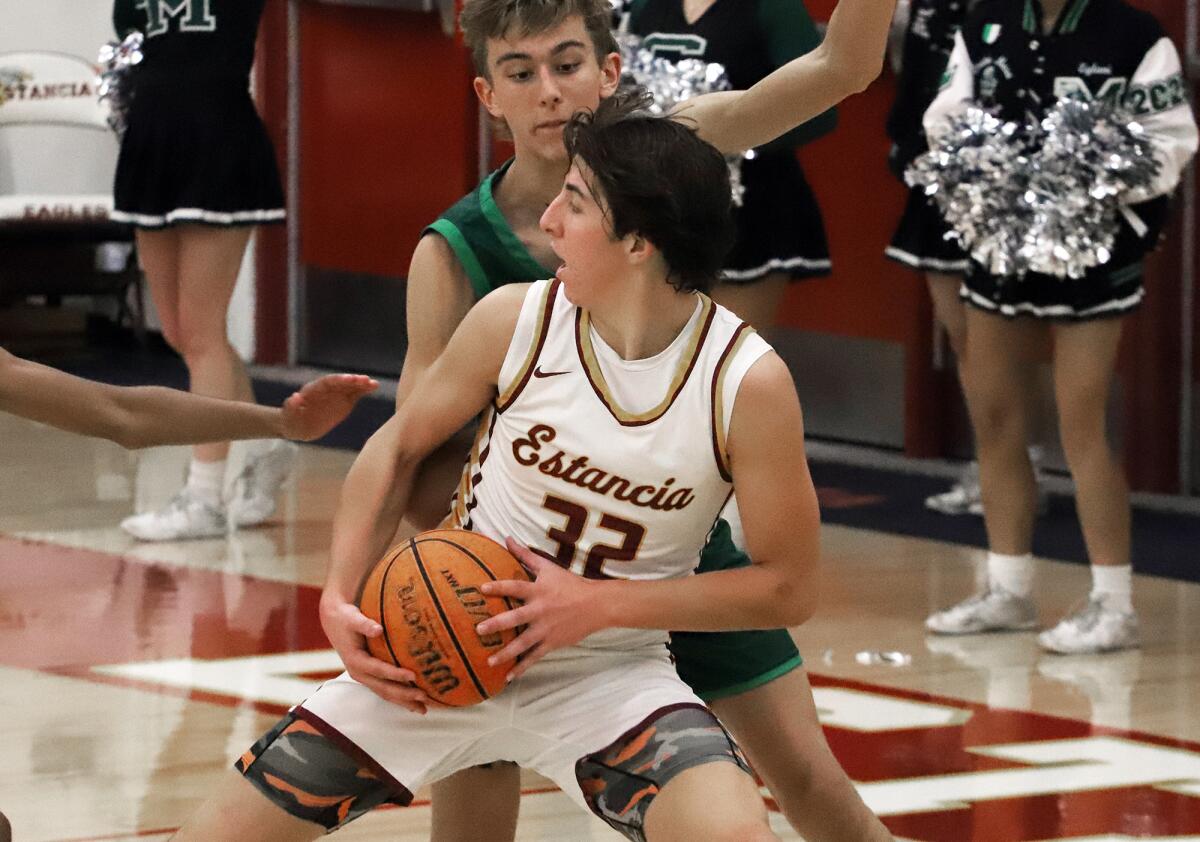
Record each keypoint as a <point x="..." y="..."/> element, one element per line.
<point x="425" y="594"/>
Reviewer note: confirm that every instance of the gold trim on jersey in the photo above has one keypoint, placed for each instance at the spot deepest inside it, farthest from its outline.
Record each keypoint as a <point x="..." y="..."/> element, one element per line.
<point x="505" y="400"/>
<point x="464" y="496"/>
<point x="718" y="399"/>
<point x="591" y="366"/>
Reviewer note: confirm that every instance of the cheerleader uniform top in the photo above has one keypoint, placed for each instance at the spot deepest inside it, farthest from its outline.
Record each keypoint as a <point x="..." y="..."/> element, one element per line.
<point x="1100" y="50"/>
<point x="195" y="149"/>
<point x="1097" y="49"/>
<point x="192" y="40"/>
<point x="928" y="41"/>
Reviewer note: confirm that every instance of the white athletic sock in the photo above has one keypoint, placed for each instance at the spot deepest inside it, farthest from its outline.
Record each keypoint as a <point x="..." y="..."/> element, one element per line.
<point x="206" y="480"/>
<point x="1014" y="573"/>
<point x="1112" y="584"/>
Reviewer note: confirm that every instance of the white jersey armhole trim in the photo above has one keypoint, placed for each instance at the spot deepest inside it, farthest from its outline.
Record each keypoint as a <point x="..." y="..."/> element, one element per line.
<point x="527" y="341"/>
<point x="745" y="349"/>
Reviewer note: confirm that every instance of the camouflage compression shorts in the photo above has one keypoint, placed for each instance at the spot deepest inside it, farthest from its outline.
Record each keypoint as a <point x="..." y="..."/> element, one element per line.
<point x="310" y="776"/>
<point x="620" y="782"/>
<point x="306" y="774"/>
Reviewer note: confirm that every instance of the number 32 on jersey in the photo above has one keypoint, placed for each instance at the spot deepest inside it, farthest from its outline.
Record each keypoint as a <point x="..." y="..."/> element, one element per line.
<point x="568" y="534"/>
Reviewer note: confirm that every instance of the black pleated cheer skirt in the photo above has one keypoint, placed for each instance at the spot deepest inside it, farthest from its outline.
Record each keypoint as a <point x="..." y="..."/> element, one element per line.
<point x="920" y="239"/>
<point x="779" y="223"/>
<point x="1107" y="291"/>
<point x="196" y="153"/>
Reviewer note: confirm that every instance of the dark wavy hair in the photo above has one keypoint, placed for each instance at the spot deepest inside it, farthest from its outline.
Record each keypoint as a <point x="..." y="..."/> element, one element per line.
<point x="658" y="180"/>
<point x="484" y="19"/>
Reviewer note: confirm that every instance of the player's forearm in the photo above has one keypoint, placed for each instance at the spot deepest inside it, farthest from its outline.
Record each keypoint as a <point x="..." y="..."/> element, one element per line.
<point x="133" y="417"/>
<point x="856" y="38"/>
<point x="146" y="416"/>
<point x="849" y="58"/>
<point x="373" y="500"/>
<point x="754" y="597"/>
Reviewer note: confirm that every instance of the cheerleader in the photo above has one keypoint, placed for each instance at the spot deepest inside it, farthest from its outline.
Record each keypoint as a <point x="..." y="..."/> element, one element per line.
<point x="1019" y="57"/>
<point x="920" y="240"/>
<point x="196" y="174"/>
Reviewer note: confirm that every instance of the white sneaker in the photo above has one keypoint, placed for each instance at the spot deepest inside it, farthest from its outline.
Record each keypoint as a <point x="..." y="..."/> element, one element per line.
<point x="994" y="609"/>
<point x="185" y="516"/>
<point x="257" y="486"/>
<point x="965" y="497"/>
<point x="1094" y="629"/>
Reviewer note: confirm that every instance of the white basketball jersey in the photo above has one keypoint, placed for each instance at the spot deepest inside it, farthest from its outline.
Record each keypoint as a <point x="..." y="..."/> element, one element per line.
<point x="612" y="468"/>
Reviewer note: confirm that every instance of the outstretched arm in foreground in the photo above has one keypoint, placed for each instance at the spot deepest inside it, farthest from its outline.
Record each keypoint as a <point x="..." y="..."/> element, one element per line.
<point x="781" y="522"/>
<point x="453" y="390"/>
<point x="846" y="62"/>
<point x="144" y="416"/>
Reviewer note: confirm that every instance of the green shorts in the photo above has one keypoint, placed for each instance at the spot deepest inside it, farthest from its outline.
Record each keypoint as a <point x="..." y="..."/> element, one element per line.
<point x="720" y="664"/>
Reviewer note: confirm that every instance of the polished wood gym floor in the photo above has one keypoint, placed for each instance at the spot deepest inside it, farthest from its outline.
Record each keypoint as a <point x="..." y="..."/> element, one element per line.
<point x="132" y="675"/>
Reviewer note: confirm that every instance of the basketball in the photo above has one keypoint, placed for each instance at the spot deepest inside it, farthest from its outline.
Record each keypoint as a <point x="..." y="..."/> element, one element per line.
<point x="425" y="594"/>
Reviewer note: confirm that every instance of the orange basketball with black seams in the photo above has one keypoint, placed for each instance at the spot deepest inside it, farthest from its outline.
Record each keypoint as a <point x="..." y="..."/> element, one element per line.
<point x="425" y="594"/>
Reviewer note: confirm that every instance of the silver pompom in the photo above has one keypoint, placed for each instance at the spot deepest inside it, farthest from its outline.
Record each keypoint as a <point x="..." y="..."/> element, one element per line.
<point x="1043" y="197"/>
<point x="974" y="173"/>
<point x="1090" y="155"/>
<point x="117" y="59"/>
<point x="670" y="83"/>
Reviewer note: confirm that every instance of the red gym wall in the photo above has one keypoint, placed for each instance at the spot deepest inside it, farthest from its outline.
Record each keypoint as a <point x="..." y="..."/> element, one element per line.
<point x="388" y="140"/>
<point x="387" y="134"/>
<point x="1150" y="365"/>
<point x="271" y="292"/>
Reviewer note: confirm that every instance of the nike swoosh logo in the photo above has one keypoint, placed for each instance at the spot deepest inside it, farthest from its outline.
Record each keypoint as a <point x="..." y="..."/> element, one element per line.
<point x="537" y="372"/>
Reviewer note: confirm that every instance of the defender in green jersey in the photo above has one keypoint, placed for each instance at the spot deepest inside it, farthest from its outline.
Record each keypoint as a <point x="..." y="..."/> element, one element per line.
<point x="539" y="62"/>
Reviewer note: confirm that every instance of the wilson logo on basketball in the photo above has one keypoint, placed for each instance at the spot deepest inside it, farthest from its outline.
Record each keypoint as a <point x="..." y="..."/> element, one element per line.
<point x="425" y="649"/>
<point x="425" y="593"/>
<point x="474" y="603"/>
<point x="576" y="471"/>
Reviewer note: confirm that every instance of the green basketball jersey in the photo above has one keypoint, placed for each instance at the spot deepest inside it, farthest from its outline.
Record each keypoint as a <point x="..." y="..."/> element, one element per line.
<point x="485" y="245"/>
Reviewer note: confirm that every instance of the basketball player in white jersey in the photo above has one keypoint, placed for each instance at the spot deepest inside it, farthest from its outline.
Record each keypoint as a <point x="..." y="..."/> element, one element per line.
<point x="623" y="407"/>
<point x="537" y="62"/>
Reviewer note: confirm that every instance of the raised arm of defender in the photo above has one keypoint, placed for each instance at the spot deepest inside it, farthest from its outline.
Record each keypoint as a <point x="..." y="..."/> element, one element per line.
<point x="846" y="62"/>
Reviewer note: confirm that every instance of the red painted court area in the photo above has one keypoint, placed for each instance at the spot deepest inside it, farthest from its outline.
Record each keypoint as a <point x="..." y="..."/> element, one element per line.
<point x="66" y="611"/>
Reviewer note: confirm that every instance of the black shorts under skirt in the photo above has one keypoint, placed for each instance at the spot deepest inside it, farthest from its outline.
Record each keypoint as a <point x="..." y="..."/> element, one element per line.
<point x="196" y="154"/>
<point x="1106" y="291"/>
<point x="779" y="223"/>
<point x="920" y="240"/>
